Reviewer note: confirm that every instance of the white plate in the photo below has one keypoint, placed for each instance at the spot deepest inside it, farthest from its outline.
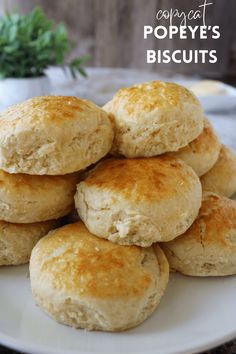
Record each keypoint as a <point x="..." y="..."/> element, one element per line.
<point x="195" y="314"/>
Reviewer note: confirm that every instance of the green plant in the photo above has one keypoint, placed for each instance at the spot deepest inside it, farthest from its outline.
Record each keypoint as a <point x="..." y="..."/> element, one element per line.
<point x="30" y="43"/>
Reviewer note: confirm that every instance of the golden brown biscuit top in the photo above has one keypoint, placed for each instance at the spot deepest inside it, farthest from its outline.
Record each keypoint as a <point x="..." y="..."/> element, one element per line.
<point x="216" y="220"/>
<point x="153" y="95"/>
<point x="204" y="142"/>
<point x="75" y="260"/>
<point x="226" y="155"/>
<point x="50" y="108"/>
<point x="26" y="183"/>
<point x="225" y="166"/>
<point x="143" y="178"/>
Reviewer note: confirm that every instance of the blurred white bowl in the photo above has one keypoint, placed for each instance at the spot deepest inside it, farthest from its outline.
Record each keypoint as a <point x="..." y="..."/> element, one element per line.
<point x="14" y="90"/>
<point x="215" y="95"/>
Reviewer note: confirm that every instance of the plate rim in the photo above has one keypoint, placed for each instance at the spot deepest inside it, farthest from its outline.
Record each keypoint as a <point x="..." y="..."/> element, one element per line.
<point x="22" y="346"/>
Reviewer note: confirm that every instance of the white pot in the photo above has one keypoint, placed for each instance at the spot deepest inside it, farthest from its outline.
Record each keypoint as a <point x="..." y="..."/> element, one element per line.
<point x="14" y="90"/>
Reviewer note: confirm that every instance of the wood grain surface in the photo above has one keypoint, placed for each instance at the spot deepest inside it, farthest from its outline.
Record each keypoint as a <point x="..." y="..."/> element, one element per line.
<point x="112" y="31"/>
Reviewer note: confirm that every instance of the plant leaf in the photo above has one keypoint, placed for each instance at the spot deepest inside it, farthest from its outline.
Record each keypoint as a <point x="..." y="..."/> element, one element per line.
<point x="30" y="43"/>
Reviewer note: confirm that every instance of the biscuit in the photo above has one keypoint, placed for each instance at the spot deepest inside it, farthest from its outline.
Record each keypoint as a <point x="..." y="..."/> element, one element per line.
<point x="202" y="153"/>
<point x="221" y="179"/>
<point x="18" y="240"/>
<point x="86" y="282"/>
<point x="139" y="201"/>
<point x="26" y="199"/>
<point x="53" y="135"/>
<point x="208" y="247"/>
<point x="153" y="118"/>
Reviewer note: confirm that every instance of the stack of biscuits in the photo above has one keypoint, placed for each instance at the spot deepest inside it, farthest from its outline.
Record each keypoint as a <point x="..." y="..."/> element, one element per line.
<point x="140" y="165"/>
<point x="36" y="186"/>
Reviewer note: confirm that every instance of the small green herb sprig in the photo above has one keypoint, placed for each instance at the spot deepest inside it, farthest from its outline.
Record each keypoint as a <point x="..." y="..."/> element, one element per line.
<point x="30" y="43"/>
